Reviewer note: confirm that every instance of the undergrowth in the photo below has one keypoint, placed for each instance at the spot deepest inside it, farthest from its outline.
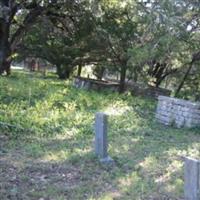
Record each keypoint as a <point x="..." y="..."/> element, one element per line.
<point x="34" y="105"/>
<point x="46" y="144"/>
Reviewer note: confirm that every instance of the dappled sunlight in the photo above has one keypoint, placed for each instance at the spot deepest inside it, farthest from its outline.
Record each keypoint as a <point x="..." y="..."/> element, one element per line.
<point x="128" y="123"/>
<point x="150" y="165"/>
<point x="64" y="64"/>
<point x="55" y="156"/>
<point x="117" y="108"/>
<point x="64" y="154"/>
<point x="194" y="150"/>
<point x="68" y="134"/>
<point x="17" y="160"/>
<point x="123" y="145"/>
<point x="126" y="181"/>
<point x="115" y="194"/>
<point x="171" y="172"/>
<point x="46" y="107"/>
<point x="132" y="185"/>
<point x="191" y="150"/>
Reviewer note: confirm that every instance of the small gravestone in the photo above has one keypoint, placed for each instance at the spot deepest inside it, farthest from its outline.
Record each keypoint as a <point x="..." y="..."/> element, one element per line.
<point x="192" y="179"/>
<point x="101" y="142"/>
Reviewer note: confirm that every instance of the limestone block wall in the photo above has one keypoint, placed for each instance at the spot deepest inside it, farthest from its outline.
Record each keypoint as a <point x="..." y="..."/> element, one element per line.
<point x="178" y="112"/>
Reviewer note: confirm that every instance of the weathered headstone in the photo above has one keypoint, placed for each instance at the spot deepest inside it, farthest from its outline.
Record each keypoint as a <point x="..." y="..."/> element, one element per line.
<point x="192" y="179"/>
<point x="101" y="142"/>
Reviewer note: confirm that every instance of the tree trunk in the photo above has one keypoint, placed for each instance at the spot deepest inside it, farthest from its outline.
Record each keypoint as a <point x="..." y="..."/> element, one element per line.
<point x="100" y="73"/>
<point x="159" y="81"/>
<point x="184" y="79"/>
<point x="63" y="72"/>
<point x="5" y="51"/>
<point x="159" y="74"/>
<point x="167" y="82"/>
<point x="135" y="76"/>
<point x="79" y="70"/>
<point x="122" y="79"/>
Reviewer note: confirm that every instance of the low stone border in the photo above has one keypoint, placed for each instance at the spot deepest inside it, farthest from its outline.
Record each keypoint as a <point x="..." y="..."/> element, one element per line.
<point x="147" y="91"/>
<point x="87" y="83"/>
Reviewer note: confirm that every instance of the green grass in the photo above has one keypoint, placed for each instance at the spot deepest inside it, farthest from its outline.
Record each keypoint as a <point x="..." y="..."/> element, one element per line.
<point x="46" y="140"/>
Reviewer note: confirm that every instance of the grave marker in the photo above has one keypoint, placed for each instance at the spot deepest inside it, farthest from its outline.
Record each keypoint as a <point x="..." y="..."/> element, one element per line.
<point x="101" y="142"/>
<point x="192" y="179"/>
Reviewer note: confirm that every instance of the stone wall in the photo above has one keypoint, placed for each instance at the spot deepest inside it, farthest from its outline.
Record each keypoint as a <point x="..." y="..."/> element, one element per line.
<point x="87" y="83"/>
<point x="147" y="91"/>
<point x="178" y="112"/>
<point x="134" y="88"/>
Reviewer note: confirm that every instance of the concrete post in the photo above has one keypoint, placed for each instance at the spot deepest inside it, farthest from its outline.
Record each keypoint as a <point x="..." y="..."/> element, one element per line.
<point x="192" y="179"/>
<point x="101" y="142"/>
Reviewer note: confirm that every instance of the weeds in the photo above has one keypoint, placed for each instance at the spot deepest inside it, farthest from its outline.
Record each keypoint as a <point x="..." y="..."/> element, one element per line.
<point x="46" y="151"/>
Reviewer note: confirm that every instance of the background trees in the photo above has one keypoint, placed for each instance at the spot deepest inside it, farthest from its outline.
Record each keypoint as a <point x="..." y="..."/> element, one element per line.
<point x="60" y="39"/>
<point x="18" y="16"/>
<point x="151" y="42"/>
<point x="15" y="19"/>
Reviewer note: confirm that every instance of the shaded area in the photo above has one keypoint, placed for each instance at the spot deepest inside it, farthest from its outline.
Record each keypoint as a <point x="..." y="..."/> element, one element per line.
<point x="148" y="166"/>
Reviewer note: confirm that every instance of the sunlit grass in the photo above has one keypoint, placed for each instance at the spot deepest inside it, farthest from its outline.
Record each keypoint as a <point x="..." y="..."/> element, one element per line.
<point x="51" y="135"/>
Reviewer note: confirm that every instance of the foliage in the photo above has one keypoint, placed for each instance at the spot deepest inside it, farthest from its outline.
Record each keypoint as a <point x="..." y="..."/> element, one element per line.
<point x="62" y="41"/>
<point x="47" y="106"/>
<point x="120" y="28"/>
<point x="152" y="42"/>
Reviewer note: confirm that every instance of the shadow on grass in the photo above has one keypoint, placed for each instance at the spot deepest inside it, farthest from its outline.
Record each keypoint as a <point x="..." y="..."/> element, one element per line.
<point x="147" y="166"/>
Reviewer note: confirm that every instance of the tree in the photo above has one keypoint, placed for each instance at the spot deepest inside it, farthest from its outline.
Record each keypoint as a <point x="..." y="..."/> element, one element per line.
<point x="16" y="18"/>
<point x="61" y="39"/>
<point x="119" y="26"/>
<point x="167" y="40"/>
<point x="191" y="21"/>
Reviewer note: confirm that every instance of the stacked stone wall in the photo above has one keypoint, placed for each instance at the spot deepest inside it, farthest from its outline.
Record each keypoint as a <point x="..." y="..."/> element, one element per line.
<point x="178" y="112"/>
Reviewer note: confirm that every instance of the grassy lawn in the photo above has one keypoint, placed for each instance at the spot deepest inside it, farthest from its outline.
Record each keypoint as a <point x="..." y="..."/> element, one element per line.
<point x="46" y="144"/>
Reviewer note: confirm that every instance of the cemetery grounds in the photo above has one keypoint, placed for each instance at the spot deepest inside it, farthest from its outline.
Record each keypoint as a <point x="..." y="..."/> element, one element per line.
<point x="47" y="136"/>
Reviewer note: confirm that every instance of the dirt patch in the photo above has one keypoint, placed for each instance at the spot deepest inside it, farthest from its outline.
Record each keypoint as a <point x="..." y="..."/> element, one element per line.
<point x="24" y="178"/>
